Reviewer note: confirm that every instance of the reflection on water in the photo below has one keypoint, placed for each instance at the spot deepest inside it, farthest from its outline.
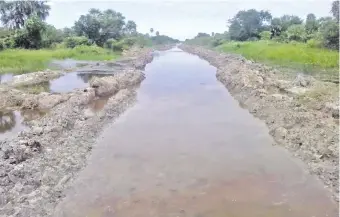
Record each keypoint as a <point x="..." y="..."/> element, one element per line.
<point x="7" y="121"/>
<point x="71" y="81"/>
<point x="11" y="122"/>
<point x="187" y="149"/>
<point x="5" y="78"/>
<point x="36" y="88"/>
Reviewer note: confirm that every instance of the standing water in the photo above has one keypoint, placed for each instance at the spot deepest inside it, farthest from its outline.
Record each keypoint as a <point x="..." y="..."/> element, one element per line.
<point x="187" y="149"/>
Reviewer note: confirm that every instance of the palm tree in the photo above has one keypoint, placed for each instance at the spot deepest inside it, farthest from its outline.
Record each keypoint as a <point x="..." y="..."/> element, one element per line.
<point x="151" y="30"/>
<point x="157" y="33"/>
<point x="13" y="14"/>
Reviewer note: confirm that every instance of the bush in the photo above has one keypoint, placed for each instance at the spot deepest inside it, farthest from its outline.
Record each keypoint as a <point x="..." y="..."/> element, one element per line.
<point x="2" y="46"/>
<point x="265" y="35"/>
<point x="313" y="43"/>
<point x="8" y="42"/>
<point x="109" y="42"/>
<point x="72" y="42"/>
<point x="296" y="33"/>
<point x="119" y="46"/>
<point x="330" y="34"/>
<point x="216" y="42"/>
<point x="31" y="35"/>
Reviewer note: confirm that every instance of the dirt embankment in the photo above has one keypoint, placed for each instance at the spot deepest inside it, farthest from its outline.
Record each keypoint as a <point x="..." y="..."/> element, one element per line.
<point x="302" y="114"/>
<point x="38" y="164"/>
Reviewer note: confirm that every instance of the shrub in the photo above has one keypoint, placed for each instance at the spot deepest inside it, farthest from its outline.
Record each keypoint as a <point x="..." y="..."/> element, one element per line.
<point x="296" y="33"/>
<point x="109" y="42"/>
<point x="72" y="42"/>
<point x="31" y="35"/>
<point x="2" y="46"/>
<point x="265" y="35"/>
<point x="313" y="43"/>
<point x="330" y="34"/>
<point x="9" y="42"/>
<point x="216" y="42"/>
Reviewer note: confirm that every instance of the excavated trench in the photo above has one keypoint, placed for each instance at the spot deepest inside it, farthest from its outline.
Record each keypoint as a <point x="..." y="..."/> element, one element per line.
<point x="187" y="148"/>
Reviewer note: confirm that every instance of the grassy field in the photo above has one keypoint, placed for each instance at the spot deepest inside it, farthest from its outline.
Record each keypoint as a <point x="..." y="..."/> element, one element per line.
<point x="293" y="55"/>
<point x="23" y="61"/>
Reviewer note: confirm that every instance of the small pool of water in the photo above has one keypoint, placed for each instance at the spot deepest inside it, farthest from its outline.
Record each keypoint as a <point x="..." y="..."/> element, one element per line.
<point x="72" y="80"/>
<point x="12" y="122"/>
<point x="5" y="78"/>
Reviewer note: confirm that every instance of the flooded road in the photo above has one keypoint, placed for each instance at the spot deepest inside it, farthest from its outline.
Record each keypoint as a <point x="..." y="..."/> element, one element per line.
<point x="188" y="149"/>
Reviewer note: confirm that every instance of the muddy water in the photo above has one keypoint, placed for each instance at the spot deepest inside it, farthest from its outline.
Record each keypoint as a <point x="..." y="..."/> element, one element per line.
<point x="71" y="81"/>
<point x="12" y="122"/>
<point x="188" y="149"/>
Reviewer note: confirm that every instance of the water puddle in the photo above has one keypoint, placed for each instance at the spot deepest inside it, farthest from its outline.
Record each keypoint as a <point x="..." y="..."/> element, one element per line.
<point x="5" y="78"/>
<point x="12" y="122"/>
<point x="68" y="82"/>
<point x="188" y="149"/>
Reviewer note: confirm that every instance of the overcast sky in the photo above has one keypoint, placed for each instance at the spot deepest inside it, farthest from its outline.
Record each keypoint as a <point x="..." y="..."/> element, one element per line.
<point x="183" y="19"/>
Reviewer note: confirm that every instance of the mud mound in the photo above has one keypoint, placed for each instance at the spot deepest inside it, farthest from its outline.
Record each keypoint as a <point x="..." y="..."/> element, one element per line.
<point x="302" y="114"/>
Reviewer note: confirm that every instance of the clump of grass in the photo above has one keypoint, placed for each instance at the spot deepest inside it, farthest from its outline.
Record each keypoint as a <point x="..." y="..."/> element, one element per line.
<point x="293" y="55"/>
<point x="22" y="61"/>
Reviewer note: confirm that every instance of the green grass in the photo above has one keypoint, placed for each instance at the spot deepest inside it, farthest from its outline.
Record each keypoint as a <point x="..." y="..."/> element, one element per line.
<point x="293" y="55"/>
<point x="22" y="61"/>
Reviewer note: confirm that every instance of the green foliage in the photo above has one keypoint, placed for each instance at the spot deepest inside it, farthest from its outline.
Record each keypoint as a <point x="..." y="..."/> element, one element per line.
<point x="335" y="10"/>
<point x="330" y="33"/>
<point x="51" y="36"/>
<point x="265" y="35"/>
<point x="99" y="26"/>
<point x="312" y="24"/>
<point x="248" y="24"/>
<point x="14" y="14"/>
<point x="9" y="42"/>
<point x="130" y="28"/>
<point x="2" y="46"/>
<point x="31" y="35"/>
<point x="163" y="39"/>
<point x="296" y="33"/>
<point x="314" y="43"/>
<point x="72" y="42"/>
<point x="23" y="61"/>
<point x="296" y="54"/>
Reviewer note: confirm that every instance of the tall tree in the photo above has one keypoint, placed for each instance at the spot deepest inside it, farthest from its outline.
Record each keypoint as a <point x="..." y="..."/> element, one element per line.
<point x="131" y="27"/>
<point x="247" y="24"/>
<point x="100" y="26"/>
<point x="311" y="24"/>
<point x="13" y="14"/>
<point x="157" y="33"/>
<point x="335" y="10"/>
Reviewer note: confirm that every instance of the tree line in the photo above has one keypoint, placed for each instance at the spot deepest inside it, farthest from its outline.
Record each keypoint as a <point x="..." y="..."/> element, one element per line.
<point x="25" y="27"/>
<point x="250" y="25"/>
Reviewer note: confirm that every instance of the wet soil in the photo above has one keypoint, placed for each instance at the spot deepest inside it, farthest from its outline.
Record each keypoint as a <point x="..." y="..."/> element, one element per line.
<point x="187" y="148"/>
